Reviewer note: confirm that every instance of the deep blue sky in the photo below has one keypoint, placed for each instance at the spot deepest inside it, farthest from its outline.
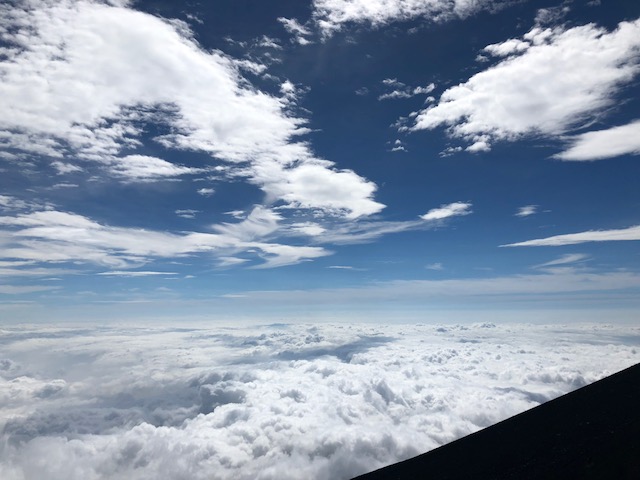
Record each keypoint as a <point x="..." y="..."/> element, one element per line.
<point x="151" y="165"/>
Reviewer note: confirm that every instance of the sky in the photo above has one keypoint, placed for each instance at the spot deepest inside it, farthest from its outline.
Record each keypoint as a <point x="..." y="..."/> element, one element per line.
<point x="319" y="160"/>
<point x="306" y="239"/>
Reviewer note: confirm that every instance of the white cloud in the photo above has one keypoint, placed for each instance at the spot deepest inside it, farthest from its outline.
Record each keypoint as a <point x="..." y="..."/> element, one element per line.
<point x="281" y="402"/>
<point x="332" y="15"/>
<point x="54" y="236"/>
<point x="295" y="28"/>
<point x="566" y="259"/>
<point x="206" y="192"/>
<point x="527" y="210"/>
<point x="446" y="211"/>
<point x="187" y="213"/>
<point x="601" y="144"/>
<point x="142" y="168"/>
<point x="622" y="234"/>
<point x="403" y="91"/>
<point x="135" y="273"/>
<point x="562" y="79"/>
<point x="63" y="168"/>
<point x="81" y="80"/>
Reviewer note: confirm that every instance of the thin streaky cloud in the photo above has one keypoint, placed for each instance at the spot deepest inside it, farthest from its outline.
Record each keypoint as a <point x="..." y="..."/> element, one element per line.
<point x="623" y="234"/>
<point x="603" y="144"/>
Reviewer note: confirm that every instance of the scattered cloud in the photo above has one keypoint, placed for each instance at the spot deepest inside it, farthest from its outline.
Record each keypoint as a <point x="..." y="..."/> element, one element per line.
<point x="631" y="233"/>
<point x="549" y="82"/>
<point x="299" y="32"/>
<point x="333" y="15"/>
<point x="60" y="53"/>
<point x="142" y="168"/>
<point x="601" y="144"/>
<point x="527" y="210"/>
<point x="206" y="192"/>
<point x="55" y="236"/>
<point x="401" y="90"/>
<point x="446" y="211"/>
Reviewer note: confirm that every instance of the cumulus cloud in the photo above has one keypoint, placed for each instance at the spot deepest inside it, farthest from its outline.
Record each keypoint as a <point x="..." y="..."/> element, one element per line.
<point x="333" y="15"/>
<point x="631" y="233"/>
<point x="601" y="144"/>
<point x="446" y="211"/>
<point x="286" y="402"/>
<point x="81" y="80"/>
<point x="547" y="83"/>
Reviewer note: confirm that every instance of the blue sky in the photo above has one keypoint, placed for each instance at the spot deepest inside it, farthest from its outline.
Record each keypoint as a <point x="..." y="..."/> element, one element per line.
<point x="324" y="159"/>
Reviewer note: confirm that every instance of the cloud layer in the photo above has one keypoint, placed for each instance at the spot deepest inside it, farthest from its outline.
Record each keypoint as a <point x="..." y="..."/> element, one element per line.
<point x="286" y="402"/>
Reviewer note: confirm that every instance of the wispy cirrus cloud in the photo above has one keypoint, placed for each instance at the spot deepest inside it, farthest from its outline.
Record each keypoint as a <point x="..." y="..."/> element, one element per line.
<point x="602" y="144"/>
<point x="55" y="236"/>
<point x="621" y="234"/>
<point x="549" y="82"/>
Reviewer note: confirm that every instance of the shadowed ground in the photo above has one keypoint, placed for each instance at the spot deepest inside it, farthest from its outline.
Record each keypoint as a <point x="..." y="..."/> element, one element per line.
<point x="591" y="433"/>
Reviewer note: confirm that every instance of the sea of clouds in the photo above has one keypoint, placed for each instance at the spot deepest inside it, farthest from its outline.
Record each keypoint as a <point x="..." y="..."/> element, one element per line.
<point x="294" y="401"/>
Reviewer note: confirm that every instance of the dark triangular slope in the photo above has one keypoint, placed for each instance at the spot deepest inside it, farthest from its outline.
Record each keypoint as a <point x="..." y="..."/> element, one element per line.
<point x="591" y="433"/>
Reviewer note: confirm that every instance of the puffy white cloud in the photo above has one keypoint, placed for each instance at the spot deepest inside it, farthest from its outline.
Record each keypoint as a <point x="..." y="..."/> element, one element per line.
<point x="631" y="233"/>
<point x="333" y="15"/>
<point x="287" y="402"/>
<point x="601" y="144"/>
<point x="81" y="79"/>
<point x="446" y="211"/>
<point x="552" y="80"/>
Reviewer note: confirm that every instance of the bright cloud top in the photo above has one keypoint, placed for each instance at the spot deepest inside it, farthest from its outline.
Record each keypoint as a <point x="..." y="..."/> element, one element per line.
<point x="547" y="83"/>
<point x="333" y="15"/>
<point x="82" y="78"/>
<point x="275" y="402"/>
